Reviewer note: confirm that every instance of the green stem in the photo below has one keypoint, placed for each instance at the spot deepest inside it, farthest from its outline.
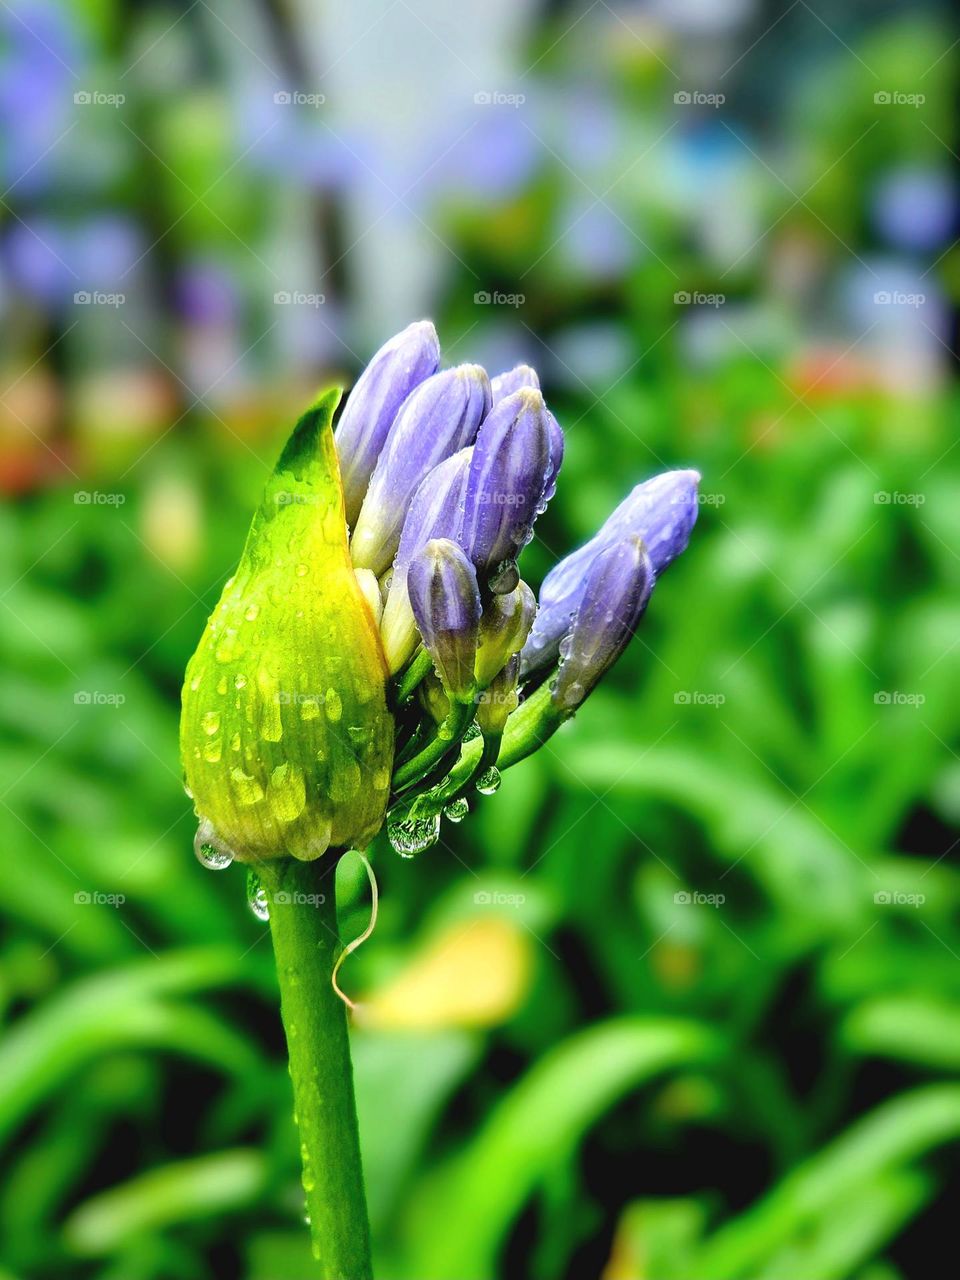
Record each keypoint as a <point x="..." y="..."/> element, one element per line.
<point x="303" y="924"/>
<point x="418" y="670"/>
<point x="444" y="740"/>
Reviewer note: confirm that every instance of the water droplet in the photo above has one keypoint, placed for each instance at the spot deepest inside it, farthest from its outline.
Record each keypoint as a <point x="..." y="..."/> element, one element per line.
<point x="222" y="685"/>
<point x="302" y="570"/>
<point x="211" y="851"/>
<point x="309" y="709"/>
<point x="246" y="787"/>
<point x="195" y="683"/>
<point x="344" y="781"/>
<point x="212" y="750"/>
<point x="333" y="705"/>
<point x="411" y="836"/>
<point x="211" y="722"/>
<point x="286" y="793"/>
<point x="257" y="897"/>
<point x="504" y="578"/>
<point x="488" y="783"/>
<point x="457" y="810"/>
<point x="252" y="612"/>
<point x="381" y="779"/>
<point x="235" y="742"/>
<point x="472" y="732"/>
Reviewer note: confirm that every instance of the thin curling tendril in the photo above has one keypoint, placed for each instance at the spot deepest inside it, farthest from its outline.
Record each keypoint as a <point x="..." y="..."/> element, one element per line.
<point x="352" y="946"/>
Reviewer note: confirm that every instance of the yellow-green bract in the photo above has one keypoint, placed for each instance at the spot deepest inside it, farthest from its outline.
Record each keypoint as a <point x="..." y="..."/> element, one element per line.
<point x="286" y="739"/>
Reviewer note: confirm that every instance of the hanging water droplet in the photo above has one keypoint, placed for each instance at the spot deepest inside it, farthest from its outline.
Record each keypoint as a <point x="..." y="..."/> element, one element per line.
<point x="257" y="897"/>
<point x="211" y="851"/>
<point x="239" y="681"/>
<point x="504" y="577"/>
<point x="251" y="613"/>
<point x="457" y="810"/>
<point x="211" y="722"/>
<point x="410" y="836"/>
<point x="472" y="732"/>
<point x="488" y="783"/>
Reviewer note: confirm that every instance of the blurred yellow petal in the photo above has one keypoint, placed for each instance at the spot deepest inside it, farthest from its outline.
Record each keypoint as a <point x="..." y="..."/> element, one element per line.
<point x="473" y="974"/>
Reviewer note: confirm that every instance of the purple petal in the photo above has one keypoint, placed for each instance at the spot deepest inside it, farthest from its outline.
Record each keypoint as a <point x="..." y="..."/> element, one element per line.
<point x="505" y="384"/>
<point x="398" y="367"/>
<point x="437" y="419"/>
<point x="446" y="604"/>
<point x="506" y="485"/>
<point x="616" y="591"/>
<point x="661" y="512"/>
<point x="434" y="513"/>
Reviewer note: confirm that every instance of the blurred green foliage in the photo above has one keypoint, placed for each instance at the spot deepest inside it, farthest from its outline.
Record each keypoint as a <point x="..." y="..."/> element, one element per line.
<point x="680" y="1002"/>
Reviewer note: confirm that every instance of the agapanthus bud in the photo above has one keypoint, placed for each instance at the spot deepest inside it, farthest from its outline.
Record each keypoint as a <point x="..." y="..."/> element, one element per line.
<point x="504" y="627"/>
<point x="397" y="368"/>
<point x="434" y="513"/>
<point x="499" y="699"/>
<point x="617" y="588"/>
<point x="446" y="604"/>
<point x="661" y="512"/>
<point x="506" y="484"/>
<point x="505" y="384"/>
<point x="440" y="417"/>
<point x="286" y="740"/>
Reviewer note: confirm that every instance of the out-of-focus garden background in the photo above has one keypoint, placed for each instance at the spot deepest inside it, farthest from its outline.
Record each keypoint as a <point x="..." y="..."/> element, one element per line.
<point x="680" y="1002"/>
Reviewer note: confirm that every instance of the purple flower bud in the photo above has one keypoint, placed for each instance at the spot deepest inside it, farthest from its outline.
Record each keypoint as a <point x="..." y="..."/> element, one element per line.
<point x="397" y="368"/>
<point x="660" y="511"/>
<point x="438" y="418"/>
<point x="446" y="604"/>
<point x="434" y="513"/>
<point x="506" y="486"/>
<point x="617" y="588"/>
<point x="505" y="384"/>
<point x="504" y="627"/>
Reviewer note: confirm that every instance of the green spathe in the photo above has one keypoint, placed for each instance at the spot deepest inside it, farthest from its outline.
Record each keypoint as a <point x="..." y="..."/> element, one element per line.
<point x="286" y="740"/>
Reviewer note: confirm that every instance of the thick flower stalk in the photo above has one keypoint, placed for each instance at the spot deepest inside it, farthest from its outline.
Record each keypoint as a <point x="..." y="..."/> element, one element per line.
<point x="377" y="660"/>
